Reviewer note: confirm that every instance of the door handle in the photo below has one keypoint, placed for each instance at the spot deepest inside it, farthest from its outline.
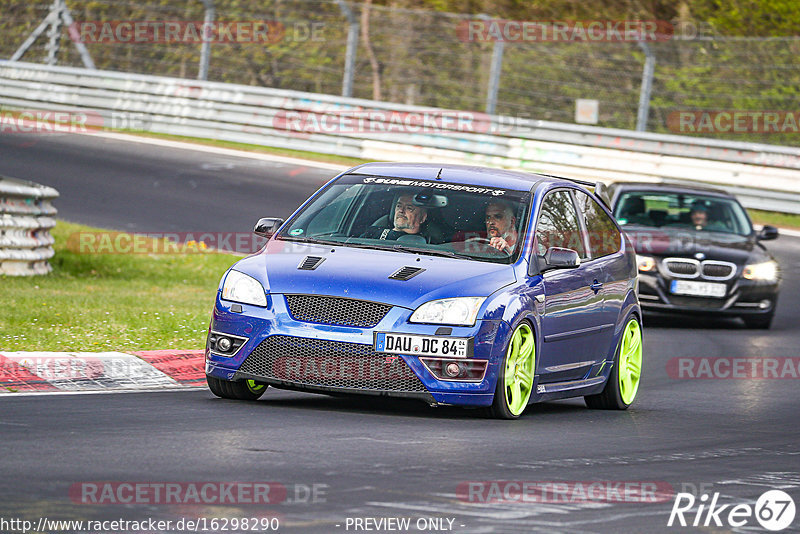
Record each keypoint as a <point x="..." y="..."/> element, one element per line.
<point x="596" y="286"/>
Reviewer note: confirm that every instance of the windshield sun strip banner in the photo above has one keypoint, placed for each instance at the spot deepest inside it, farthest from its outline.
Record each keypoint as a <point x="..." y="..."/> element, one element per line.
<point x="432" y="184"/>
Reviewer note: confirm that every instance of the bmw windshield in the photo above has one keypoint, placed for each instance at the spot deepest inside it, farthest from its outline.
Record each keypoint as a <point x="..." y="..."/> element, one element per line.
<point x="682" y="210"/>
<point x="408" y="215"/>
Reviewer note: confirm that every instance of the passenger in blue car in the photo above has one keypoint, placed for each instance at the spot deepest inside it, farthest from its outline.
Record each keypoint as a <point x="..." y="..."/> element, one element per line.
<point x="408" y="220"/>
<point x="501" y="226"/>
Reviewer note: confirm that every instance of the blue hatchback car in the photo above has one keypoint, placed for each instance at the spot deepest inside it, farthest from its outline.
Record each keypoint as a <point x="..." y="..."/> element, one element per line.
<point x="451" y="284"/>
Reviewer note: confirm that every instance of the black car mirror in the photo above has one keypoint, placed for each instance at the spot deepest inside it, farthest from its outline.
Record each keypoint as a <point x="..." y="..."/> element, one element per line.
<point x="267" y="226"/>
<point x="560" y="258"/>
<point x="767" y="233"/>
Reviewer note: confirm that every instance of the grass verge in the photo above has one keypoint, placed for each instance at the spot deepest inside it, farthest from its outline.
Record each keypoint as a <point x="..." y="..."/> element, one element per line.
<point x="111" y="302"/>
<point x="782" y="220"/>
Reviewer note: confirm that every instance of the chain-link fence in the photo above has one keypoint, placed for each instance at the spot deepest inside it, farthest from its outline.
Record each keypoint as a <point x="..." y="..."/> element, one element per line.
<point x="422" y="58"/>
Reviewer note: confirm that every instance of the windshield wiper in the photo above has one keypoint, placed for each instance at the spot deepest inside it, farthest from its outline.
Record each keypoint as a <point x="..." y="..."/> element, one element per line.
<point x="433" y="252"/>
<point x="311" y="240"/>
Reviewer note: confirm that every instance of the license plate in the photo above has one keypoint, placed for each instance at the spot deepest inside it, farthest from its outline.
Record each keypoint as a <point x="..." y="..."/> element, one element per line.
<point x="453" y="347"/>
<point x="698" y="289"/>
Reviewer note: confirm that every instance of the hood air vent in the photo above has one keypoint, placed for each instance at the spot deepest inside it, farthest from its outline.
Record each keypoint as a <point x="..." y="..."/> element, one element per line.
<point x="406" y="273"/>
<point x="310" y="263"/>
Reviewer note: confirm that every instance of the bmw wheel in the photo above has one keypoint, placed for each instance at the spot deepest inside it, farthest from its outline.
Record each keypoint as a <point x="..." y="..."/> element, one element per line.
<point x="241" y="390"/>
<point x="759" y="322"/>
<point x="515" y="381"/>
<point x="623" y="384"/>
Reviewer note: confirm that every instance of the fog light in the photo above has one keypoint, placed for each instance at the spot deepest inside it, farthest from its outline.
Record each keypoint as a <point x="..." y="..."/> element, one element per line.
<point x="224" y="344"/>
<point x="452" y="369"/>
<point x="764" y="304"/>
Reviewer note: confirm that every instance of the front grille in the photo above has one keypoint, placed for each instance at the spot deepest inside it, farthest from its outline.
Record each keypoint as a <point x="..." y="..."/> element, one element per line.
<point x="336" y="310"/>
<point x="697" y="302"/>
<point x="681" y="268"/>
<point x="714" y="270"/>
<point x="319" y="362"/>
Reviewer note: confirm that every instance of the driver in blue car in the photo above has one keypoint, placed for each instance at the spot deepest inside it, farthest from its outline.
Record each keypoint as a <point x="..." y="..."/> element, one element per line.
<point x="408" y="219"/>
<point x="501" y="226"/>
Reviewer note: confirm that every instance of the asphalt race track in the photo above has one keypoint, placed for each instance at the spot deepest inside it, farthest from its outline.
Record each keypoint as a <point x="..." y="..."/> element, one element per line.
<point x="378" y="459"/>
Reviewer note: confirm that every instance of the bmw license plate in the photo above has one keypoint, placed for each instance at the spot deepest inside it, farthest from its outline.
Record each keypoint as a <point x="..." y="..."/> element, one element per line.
<point x="453" y="347"/>
<point x="698" y="289"/>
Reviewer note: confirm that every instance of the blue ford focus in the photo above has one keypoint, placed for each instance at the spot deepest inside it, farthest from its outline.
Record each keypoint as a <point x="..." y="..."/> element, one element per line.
<point x="454" y="285"/>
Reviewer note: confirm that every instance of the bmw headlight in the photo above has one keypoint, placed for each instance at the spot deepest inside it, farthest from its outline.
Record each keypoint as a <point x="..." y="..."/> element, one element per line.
<point x="240" y="287"/>
<point x="645" y="263"/>
<point x="461" y="311"/>
<point x="765" y="272"/>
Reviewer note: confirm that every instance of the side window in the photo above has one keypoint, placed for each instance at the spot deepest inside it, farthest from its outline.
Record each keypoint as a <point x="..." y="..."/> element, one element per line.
<point x="558" y="225"/>
<point x="604" y="237"/>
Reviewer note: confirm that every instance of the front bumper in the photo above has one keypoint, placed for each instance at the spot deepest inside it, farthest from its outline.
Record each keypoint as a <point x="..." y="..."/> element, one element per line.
<point x="743" y="297"/>
<point x="291" y="354"/>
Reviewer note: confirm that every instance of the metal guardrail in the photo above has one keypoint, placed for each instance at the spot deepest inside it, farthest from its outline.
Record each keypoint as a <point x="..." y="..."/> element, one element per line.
<point x="26" y="217"/>
<point x="763" y="176"/>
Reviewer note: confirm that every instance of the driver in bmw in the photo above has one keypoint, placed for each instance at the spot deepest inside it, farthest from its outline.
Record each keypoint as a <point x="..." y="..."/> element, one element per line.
<point x="501" y="226"/>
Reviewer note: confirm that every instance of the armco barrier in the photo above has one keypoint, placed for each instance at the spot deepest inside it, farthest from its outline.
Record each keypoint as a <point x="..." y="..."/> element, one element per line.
<point x="26" y="217"/>
<point x="763" y="176"/>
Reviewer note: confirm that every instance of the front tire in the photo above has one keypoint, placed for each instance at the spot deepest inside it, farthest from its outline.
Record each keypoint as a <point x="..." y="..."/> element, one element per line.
<point x="623" y="384"/>
<point x="240" y="390"/>
<point x="758" y="322"/>
<point x="515" y="380"/>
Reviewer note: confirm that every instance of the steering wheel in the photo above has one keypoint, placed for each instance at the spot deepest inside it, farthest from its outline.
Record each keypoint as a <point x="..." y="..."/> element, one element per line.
<point x="488" y="244"/>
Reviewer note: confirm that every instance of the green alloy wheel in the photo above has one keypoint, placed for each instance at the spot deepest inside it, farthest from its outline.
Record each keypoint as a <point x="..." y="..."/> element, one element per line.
<point x="515" y="383"/>
<point x="242" y="390"/>
<point x="623" y="384"/>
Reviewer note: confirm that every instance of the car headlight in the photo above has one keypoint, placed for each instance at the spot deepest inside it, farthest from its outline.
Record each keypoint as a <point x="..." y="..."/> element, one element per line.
<point x="240" y="287"/>
<point x="461" y="311"/>
<point x="767" y="271"/>
<point x="645" y="263"/>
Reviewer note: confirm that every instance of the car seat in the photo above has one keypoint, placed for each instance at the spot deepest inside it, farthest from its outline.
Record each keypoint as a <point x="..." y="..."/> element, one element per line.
<point x="633" y="210"/>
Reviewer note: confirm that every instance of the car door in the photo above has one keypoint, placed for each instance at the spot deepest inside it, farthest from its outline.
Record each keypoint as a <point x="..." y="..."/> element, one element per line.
<point x="573" y="304"/>
<point x="611" y="274"/>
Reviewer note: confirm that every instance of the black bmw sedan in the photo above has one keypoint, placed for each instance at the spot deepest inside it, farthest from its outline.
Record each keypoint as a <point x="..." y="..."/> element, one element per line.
<point x="697" y="251"/>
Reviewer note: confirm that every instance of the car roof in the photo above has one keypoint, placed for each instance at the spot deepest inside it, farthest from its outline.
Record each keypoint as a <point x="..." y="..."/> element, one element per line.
<point x="461" y="174"/>
<point x="669" y="187"/>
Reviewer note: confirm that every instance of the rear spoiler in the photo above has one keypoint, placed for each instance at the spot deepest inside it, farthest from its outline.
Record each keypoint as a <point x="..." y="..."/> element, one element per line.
<point x="600" y="188"/>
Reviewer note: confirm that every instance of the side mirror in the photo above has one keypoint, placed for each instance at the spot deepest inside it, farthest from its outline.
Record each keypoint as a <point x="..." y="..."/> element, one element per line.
<point x="561" y="258"/>
<point x="767" y="233"/>
<point x="267" y="226"/>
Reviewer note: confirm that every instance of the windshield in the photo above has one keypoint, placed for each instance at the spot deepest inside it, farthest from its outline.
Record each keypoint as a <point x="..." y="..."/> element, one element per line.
<point x="419" y="216"/>
<point x="700" y="212"/>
